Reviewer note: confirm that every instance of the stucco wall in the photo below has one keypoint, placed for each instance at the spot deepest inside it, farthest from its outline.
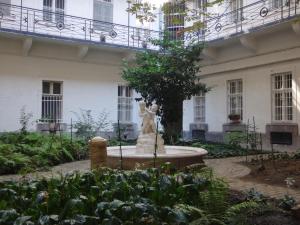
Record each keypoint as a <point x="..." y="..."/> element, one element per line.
<point x="85" y="86"/>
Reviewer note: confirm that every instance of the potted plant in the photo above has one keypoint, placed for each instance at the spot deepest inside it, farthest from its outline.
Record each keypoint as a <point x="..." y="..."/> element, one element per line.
<point x="234" y="118"/>
<point x="102" y="37"/>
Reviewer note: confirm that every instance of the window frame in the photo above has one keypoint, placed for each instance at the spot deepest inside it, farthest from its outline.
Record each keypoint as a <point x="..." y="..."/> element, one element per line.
<point x="125" y="104"/>
<point x="238" y="96"/>
<point x="54" y="12"/>
<point x="283" y="90"/>
<point x="6" y="10"/>
<point x="48" y="98"/>
<point x="100" y="24"/>
<point x="198" y="118"/>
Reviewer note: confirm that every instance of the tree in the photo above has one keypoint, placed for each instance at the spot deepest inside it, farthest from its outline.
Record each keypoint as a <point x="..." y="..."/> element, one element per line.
<point x="168" y="77"/>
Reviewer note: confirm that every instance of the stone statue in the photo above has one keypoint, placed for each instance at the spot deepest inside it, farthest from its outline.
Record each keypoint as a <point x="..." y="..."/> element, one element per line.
<point x="147" y="138"/>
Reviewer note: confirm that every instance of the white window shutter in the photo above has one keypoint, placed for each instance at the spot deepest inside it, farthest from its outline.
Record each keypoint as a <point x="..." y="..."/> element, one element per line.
<point x="103" y="12"/>
<point x="5" y="9"/>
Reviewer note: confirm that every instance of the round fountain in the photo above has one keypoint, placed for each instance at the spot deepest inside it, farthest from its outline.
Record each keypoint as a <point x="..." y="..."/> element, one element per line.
<point x="149" y="144"/>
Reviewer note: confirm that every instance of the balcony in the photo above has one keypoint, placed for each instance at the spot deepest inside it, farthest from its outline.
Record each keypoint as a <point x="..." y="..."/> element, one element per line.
<point x="57" y="25"/>
<point x="250" y="18"/>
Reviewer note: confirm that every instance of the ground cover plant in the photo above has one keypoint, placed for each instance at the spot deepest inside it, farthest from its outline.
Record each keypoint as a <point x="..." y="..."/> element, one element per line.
<point x="153" y="196"/>
<point x="223" y="150"/>
<point x="26" y="152"/>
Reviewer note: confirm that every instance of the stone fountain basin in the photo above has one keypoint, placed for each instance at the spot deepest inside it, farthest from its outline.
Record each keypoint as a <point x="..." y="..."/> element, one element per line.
<point x="179" y="156"/>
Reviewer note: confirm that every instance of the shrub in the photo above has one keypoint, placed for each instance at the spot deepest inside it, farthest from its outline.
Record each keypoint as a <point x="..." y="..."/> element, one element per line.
<point x="31" y="151"/>
<point x="115" y="197"/>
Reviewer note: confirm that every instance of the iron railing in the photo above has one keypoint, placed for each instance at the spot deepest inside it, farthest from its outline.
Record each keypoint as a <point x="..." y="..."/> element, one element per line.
<point x="14" y="18"/>
<point x="252" y="17"/>
<point x="255" y="16"/>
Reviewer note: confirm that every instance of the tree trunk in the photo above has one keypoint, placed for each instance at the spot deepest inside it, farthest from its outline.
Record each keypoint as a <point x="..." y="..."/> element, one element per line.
<point x="172" y="121"/>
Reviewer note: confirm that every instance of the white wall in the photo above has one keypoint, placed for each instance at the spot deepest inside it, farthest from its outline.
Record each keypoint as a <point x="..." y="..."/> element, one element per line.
<point x="85" y="85"/>
<point x="277" y="51"/>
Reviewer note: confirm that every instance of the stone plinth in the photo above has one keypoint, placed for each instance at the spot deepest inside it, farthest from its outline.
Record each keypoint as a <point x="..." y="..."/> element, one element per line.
<point x="146" y="144"/>
<point x="98" y="152"/>
<point x="234" y="127"/>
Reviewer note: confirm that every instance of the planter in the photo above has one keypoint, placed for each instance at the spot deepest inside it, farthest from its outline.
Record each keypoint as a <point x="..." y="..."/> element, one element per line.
<point x="144" y="44"/>
<point x="102" y="38"/>
<point x="234" y="118"/>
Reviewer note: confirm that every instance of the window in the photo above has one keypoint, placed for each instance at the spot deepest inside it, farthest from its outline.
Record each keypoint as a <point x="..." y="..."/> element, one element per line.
<point x="5" y="7"/>
<point x="174" y="19"/>
<point x="125" y="104"/>
<point x="282" y="96"/>
<point x="235" y="97"/>
<point x="52" y="100"/>
<point x="236" y="14"/>
<point x="48" y="10"/>
<point x="103" y="14"/>
<point x="275" y="4"/>
<point x="59" y="11"/>
<point x="199" y="108"/>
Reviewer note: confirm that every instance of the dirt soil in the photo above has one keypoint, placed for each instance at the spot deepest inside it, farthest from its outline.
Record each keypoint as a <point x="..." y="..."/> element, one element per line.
<point x="274" y="174"/>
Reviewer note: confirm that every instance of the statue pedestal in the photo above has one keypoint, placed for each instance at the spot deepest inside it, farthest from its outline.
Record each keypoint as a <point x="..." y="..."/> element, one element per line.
<point x="146" y="144"/>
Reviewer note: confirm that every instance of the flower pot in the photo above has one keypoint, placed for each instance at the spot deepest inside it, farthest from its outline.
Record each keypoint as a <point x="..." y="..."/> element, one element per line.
<point x="234" y="118"/>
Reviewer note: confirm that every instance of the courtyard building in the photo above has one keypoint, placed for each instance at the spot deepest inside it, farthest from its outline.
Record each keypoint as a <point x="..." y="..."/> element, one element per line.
<point x="59" y="57"/>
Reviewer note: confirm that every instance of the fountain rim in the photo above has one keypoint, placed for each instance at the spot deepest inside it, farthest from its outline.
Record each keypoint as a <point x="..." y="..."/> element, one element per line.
<point x="196" y="152"/>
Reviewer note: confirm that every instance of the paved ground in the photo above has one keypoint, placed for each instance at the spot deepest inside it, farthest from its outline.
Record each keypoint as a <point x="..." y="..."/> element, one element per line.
<point x="231" y="171"/>
<point x="228" y="168"/>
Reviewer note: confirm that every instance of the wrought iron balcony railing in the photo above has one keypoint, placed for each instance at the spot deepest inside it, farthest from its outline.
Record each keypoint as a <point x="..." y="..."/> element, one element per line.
<point x="250" y="18"/>
<point x="56" y="24"/>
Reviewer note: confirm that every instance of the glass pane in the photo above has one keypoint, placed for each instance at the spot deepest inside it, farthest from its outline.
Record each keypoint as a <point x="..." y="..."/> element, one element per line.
<point x="46" y="87"/>
<point x="57" y="88"/>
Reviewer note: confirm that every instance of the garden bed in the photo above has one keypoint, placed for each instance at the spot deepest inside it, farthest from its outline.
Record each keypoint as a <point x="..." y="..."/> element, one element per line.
<point x="154" y="196"/>
<point x="275" y="173"/>
<point x="28" y="152"/>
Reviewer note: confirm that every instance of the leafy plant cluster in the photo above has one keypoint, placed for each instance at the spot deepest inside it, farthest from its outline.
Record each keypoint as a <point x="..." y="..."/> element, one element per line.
<point x="220" y="150"/>
<point x="153" y="196"/>
<point x="88" y="126"/>
<point x="29" y="151"/>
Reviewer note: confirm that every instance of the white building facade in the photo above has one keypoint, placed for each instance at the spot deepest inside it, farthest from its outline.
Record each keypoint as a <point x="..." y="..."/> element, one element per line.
<point x="58" y="57"/>
<point x="251" y="62"/>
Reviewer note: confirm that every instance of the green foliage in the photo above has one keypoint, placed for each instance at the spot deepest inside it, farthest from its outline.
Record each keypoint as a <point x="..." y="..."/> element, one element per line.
<point x="287" y="202"/>
<point x="115" y="197"/>
<point x="235" y="138"/>
<point x="26" y="152"/>
<point x="87" y="126"/>
<point x="168" y="77"/>
<point x="24" y="119"/>
<point x="219" y="150"/>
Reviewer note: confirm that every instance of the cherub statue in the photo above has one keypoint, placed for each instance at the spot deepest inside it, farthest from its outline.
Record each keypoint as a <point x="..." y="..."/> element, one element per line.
<point x="148" y="116"/>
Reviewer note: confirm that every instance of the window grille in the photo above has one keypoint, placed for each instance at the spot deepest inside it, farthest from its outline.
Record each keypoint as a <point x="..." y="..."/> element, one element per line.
<point x="282" y="96"/>
<point x="125" y="104"/>
<point x="199" y="108"/>
<point x="5" y="7"/>
<point x="52" y="100"/>
<point x="235" y="97"/>
<point x="103" y="13"/>
<point x="174" y="19"/>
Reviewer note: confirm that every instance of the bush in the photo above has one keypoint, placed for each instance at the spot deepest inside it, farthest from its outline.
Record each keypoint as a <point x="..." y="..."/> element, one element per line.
<point x="115" y="197"/>
<point x="31" y="151"/>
